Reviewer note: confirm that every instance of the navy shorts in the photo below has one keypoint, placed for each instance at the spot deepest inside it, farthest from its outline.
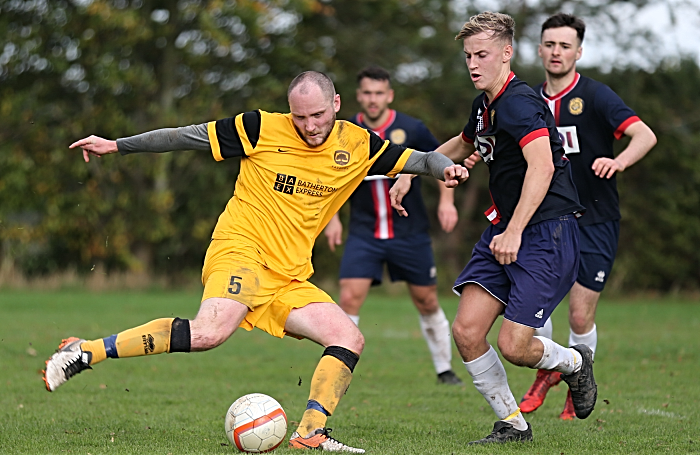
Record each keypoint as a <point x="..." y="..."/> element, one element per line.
<point x="531" y="287"/>
<point x="598" y="249"/>
<point x="408" y="259"/>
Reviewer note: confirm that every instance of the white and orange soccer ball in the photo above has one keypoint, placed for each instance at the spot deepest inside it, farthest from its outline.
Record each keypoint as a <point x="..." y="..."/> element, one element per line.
<point x="256" y="423"/>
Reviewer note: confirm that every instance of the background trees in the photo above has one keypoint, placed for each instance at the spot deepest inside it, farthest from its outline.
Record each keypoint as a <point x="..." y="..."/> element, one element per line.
<point x="119" y="67"/>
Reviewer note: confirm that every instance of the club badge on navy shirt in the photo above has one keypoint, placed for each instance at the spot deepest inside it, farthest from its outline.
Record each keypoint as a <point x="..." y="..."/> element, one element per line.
<point x="397" y="136"/>
<point x="576" y="106"/>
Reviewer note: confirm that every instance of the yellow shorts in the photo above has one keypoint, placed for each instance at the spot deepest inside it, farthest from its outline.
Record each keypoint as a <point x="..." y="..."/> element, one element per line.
<point x="236" y="271"/>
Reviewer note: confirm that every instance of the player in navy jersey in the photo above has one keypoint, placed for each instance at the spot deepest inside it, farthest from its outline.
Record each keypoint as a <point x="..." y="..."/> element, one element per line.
<point x="589" y="116"/>
<point x="527" y="259"/>
<point x="378" y="235"/>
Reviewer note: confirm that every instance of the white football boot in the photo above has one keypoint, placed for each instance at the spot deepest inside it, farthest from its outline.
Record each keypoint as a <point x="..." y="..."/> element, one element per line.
<point x="68" y="361"/>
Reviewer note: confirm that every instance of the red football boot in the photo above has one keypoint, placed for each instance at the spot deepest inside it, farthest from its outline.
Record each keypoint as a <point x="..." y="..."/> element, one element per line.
<point x="534" y="397"/>
<point x="568" y="413"/>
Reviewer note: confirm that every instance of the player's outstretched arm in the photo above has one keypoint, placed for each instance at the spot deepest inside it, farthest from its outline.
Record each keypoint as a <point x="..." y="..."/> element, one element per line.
<point x="431" y="163"/>
<point x="456" y="149"/>
<point x="96" y="146"/>
<point x="642" y="140"/>
<point x="193" y="137"/>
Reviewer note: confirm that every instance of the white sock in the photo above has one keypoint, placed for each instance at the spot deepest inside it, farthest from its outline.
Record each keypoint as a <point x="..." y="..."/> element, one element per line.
<point x="545" y="330"/>
<point x="590" y="339"/>
<point x="490" y="379"/>
<point x="558" y="358"/>
<point x="436" y="331"/>
<point x="355" y="318"/>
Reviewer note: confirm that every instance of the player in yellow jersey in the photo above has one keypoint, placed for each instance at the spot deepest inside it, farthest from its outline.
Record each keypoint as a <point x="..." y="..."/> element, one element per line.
<point x="297" y="169"/>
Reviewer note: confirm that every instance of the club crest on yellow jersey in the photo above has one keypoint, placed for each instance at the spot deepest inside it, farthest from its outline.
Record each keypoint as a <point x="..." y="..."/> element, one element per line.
<point x="341" y="158"/>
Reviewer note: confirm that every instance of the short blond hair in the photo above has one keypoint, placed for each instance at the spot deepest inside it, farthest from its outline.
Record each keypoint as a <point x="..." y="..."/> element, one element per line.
<point x="502" y="26"/>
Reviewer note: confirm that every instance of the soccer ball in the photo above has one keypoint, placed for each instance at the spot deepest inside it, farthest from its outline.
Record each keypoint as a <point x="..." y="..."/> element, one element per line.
<point x="256" y="423"/>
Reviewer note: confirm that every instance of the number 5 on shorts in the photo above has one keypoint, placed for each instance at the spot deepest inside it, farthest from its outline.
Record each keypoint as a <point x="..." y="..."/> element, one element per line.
<point x="235" y="286"/>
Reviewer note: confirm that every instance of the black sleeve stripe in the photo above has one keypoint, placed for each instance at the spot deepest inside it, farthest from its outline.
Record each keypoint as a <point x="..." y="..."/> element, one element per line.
<point x="387" y="161"/>
<point x="251" y="123"/>
<point x="375" y="144"/>
<point x="229" y="141"/>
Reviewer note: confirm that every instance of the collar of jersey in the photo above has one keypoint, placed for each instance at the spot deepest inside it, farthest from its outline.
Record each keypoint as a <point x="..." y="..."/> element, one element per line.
<point x="563" y="93"/>
<point x="511" y="76"/>
<point x="383" y="127"/>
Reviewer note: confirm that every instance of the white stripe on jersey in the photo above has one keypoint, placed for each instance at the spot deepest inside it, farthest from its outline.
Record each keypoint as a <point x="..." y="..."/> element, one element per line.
<point x="383" y="213"/>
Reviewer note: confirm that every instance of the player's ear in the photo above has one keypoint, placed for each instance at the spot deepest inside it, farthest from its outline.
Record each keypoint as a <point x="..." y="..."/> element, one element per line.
<point x="336" y="103"/>
<point x="507" y="53"/>
<point x="579" y="53"/>
<point x="390" y="98"/>
<point x="539" y="50"/>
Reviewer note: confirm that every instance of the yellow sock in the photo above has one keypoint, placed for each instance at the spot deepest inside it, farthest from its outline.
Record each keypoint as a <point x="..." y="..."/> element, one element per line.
<point x="97" y="348"/>
<point x="150" y="338"/>
<point x="328" y="384"/>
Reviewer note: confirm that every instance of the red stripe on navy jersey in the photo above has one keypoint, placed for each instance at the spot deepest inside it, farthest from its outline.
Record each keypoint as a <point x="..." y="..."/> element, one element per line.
<point x="542" y="132"/>
<point x="620" y="131"/>
<point x="503" y="89"/>
<point x="466" y="139"/>
<point x="557" y="107"/>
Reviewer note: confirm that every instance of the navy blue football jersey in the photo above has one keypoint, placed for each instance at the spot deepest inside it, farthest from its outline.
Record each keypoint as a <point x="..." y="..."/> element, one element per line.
<point x="589" y="116"/>
<point x="370" y="208"/>
<point x="499" y="130"/>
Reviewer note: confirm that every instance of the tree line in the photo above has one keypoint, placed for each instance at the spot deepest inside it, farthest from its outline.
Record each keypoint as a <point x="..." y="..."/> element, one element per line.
<point x="120" y="67"/>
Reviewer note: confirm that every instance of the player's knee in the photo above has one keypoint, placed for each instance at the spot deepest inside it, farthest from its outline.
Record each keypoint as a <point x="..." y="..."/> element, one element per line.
<point x="357" y="343"/>
<point x="350" y="300"/>
<point x="512" y="352"/>
<point x="579" y="320"/>
<point x="464" y="333"/>
<point x="427" y="305"/>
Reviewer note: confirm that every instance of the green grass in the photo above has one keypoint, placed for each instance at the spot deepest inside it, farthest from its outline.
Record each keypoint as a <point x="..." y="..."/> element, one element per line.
<point x="647" y="368"/>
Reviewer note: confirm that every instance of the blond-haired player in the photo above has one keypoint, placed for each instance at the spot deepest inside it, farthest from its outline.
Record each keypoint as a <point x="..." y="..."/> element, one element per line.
<point x="526" y="260"/>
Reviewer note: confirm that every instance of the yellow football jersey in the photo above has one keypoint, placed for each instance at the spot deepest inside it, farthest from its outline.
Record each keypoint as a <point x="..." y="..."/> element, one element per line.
<point x="287" y="191"/>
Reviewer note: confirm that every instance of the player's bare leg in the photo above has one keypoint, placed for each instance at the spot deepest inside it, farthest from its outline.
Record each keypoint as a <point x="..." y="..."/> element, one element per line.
<point x="216" y="321"/>
<point x="436" y="331"/>
<point x="327" y="325"/>
<point x="476" y="314"/>
<point x="353" y="293"/>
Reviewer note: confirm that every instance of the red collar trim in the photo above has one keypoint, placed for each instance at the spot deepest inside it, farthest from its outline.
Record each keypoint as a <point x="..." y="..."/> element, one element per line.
<point x="511" y="76"/>
<point x="563" y="93"/>
<point x="384" y="126"/>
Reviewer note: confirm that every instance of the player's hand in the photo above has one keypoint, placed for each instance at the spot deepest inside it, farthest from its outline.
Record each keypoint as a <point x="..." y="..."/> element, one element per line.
<point x="334" y="232"/>
<point x="96" y="146"/>
<point x="505" y="247"/>
<point x="447" y="214"/>
<point x="606" y="167"/>
<point x="455" y="174"/>
<point x="401" y="187"/>
<point x="472" y="160"/>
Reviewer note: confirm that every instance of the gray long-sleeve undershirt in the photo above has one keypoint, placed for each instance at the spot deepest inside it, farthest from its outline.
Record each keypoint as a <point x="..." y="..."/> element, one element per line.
<point x="427" y="163"/>
<point x="196" y="137"/>
<point x="193" y="137"/>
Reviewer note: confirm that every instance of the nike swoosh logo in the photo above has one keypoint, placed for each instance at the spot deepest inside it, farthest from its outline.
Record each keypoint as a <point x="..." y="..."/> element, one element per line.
<point x="283" y="151"/>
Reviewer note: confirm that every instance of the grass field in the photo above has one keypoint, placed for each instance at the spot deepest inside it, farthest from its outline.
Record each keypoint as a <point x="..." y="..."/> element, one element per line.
<point x="647" y="368"/>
